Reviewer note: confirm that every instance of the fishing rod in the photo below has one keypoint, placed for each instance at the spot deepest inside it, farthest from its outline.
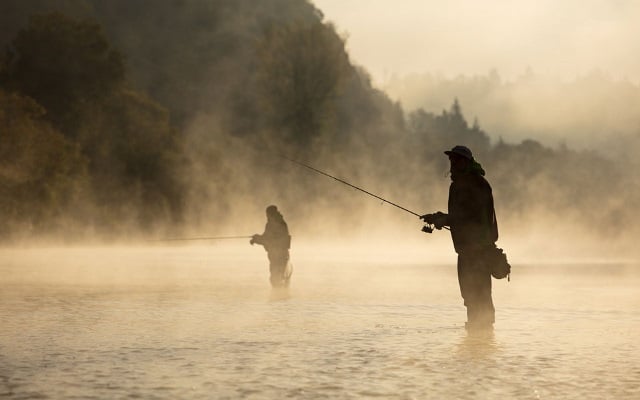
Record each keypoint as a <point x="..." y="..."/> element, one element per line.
<point x="201" y="238"/>
<point x="353" y="186"/>
<point x="427" y="228"/>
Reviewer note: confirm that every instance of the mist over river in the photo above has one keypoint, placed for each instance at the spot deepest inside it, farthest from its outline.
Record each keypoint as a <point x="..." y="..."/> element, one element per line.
<point x="201" y="322"/>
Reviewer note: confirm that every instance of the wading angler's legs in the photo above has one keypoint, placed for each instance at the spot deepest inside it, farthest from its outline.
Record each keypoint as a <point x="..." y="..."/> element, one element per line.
<point x="475" y="287"/>
<point x="277" y="266"/>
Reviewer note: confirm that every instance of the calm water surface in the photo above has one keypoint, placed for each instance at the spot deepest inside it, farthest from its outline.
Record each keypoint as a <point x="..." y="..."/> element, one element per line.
<point x="202" y="323"/>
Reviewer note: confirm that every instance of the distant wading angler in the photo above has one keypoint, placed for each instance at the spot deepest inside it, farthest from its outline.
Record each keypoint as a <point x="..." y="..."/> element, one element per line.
<point x="276" y="241"/>
<point x="474" y="230"/>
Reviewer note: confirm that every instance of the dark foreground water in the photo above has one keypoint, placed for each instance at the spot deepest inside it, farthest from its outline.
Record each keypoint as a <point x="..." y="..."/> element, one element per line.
<point x="202" y="323"/>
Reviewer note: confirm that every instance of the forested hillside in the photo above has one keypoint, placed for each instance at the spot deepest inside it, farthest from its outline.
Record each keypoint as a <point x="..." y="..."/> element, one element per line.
<point x="134" y="117"/>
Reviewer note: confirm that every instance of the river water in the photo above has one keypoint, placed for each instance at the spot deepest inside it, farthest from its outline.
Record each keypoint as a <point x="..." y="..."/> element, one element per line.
<point x="202" y="323"/>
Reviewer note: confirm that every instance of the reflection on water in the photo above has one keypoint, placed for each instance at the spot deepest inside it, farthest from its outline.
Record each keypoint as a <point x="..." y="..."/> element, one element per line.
<point x="477" y="344"/>
<point x="279" y="294"/>
<point x="204" y="323"/>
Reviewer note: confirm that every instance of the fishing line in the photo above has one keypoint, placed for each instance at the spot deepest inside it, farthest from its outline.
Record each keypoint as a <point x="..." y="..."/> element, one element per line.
<point x="201" y="238"/>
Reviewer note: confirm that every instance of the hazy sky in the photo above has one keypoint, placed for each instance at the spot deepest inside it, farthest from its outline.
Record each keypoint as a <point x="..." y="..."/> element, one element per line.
<point x="553" y="37"/>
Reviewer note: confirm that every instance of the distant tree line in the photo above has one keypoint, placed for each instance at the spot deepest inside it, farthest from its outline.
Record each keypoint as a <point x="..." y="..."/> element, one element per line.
<point x="592" y="111"/>
<point x="125" y="117"/>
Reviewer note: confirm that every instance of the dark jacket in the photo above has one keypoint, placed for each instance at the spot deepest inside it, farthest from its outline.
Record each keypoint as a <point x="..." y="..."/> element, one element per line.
<point x="472" y="216"/>
<point x="276" y="235"/>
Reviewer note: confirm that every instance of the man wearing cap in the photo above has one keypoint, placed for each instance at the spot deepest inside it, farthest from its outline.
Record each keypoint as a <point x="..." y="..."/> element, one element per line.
<point x="474" y="230"/>
<point x="276" y="241"/>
